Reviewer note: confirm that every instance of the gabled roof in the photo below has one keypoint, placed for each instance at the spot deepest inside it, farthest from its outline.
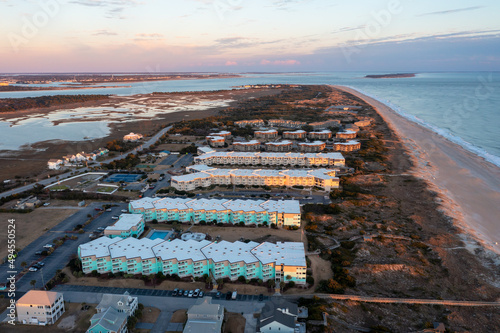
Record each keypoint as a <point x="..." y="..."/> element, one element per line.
<point x="111" y="320"/>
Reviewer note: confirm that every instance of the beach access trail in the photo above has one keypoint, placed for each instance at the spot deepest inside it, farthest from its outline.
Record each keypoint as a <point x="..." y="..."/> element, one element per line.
<point x="468" y="185"/>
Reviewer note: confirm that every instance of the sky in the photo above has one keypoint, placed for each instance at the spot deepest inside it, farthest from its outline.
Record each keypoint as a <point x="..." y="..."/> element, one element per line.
<point x="248" y="35"/>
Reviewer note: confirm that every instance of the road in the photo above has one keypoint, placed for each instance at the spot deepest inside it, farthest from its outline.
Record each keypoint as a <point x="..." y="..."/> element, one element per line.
<point x="370" y="299"/>
<point x="52" y="180"/>
<point x="62" y="254"/>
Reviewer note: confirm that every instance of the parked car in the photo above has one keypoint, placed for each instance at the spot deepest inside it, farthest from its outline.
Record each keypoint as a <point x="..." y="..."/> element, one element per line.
<point x="261" y="297"/>
<point x="196" y="292"/>
<point x="228" y="295"/>
<point x="181" y="292"/>
<point x="101" y="228"/>
<point x="191" y="293"/>
<point x="41" y="263"/>
<point x="218" y="295"/>
<point x="201" y="294"/>
<point x="48" y="246"/>
<point x="233" y="296"/>
<point x="174" y="293"/>
<point x="124" y="211"/>
<point x="98" y="209"/>
<point x="108" y="210"/>
<point x="46" y="204"/>
<point x="186" y="293"/>
<point x="33" y="269"/>
<point x="38" y="253"/>
<point x="115" y="217"/>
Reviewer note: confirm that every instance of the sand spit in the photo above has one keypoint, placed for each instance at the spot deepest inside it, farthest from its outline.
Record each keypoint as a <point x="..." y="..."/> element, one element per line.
<point x="468" y="186"/>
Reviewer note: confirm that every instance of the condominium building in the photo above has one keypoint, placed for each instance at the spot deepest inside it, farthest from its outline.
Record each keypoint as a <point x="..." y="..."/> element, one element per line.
<point x="320" y="135"/>
<point x="350" y="145"/>
<point x="271" y="159"/>
<point x="252" y="123"/>
<point x="278" y="146"/>
<point x="286" y="123"/>
<point x="216" y="141"/>
<point x="266" y="134"/>
<point x="312" y="147"/>
<point x="204" y="150"/>
<point x="284" y="261"/>
<point x="224" y="134"/>
<point x="322" y="178"/>
<point x="346" y="135"/>
<point x="252" y="145"/>
<point x="128" y="225"/>
<point x="299" y="134"/>
<point x="39" y="307"/>
<point x="325" y="124"/>
<point x="250" y="212"/>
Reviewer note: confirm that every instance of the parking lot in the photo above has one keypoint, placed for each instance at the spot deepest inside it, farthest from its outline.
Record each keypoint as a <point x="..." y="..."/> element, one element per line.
<point x="150" y="292"/>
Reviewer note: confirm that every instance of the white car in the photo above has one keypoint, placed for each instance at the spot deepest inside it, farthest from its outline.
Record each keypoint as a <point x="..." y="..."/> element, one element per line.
<point x="101" y="228"/>
<point x="114" y="217"/>
<point x="33" y="269"/>
<point x="124" y="211"/>
<point x="46" y="204"/>
<point x="48" y="246"/>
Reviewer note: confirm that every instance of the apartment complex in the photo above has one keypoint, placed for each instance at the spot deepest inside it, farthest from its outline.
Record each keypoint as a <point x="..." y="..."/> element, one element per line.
<point x="350" y="145"/>
<point x="252" y="123"/>
<point x="325" y="124"/>
<point x="39" y="307"/>
<point x="279" y="146"/>
<point x="216" y="141"/>
<point x="346" y="135"/>
<point x="252" y="145"/>
<point x="312" y="147"/>
<point x="271" y="159"/>
<point x="128" y="225"/>
<point x="286" y="123"/>
<point x="261" y="177"/>
<point x="250" y="212"/>
<point x="224" y="134"/>
<point x="284" y="261"/>
<point x="266" y="134"/>
<point x="295" y="135"/>
<point x="320" y="135"/>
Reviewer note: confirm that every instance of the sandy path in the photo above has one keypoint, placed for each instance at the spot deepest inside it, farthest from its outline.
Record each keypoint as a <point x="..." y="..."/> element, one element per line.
<point x="469" y="186"/>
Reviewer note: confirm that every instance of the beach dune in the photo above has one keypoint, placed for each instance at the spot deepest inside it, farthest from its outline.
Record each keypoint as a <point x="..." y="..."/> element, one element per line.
<point x="468" y="185"/>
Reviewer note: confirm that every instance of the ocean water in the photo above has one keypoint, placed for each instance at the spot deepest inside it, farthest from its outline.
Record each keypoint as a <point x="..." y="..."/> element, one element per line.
<point x="461" y="106"/>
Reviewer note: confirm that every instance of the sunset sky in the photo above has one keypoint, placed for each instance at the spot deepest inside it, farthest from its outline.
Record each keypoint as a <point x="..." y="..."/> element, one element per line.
<point x="244" y="35"/>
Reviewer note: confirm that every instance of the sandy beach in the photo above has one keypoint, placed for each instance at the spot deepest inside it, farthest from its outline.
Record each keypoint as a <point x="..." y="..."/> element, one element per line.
<point x="468" y="186"/>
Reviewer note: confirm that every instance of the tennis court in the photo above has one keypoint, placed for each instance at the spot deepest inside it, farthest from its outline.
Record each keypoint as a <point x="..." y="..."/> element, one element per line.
<point x="122" y="177"/>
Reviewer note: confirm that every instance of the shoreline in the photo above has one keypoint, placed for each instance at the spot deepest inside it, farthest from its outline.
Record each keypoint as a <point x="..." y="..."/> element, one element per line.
<point x="467" y="184"/>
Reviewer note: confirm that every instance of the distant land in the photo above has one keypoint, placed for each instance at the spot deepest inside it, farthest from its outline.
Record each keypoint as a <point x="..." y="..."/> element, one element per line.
<point x="390" y="76"/>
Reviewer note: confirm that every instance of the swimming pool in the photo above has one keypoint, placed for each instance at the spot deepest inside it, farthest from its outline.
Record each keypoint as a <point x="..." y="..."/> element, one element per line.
<point x="155" y="234"/>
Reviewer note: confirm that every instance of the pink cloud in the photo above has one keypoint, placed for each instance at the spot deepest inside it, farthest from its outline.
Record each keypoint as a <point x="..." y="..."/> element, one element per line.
<point x="289" y="62"/>
<point x="231" y="63"/>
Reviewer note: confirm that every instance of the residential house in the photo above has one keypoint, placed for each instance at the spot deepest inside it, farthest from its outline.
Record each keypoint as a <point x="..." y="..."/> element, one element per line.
<point x="108" y="321"/>
<point x="40" y="307"/>
<point x="204" y="317"/>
